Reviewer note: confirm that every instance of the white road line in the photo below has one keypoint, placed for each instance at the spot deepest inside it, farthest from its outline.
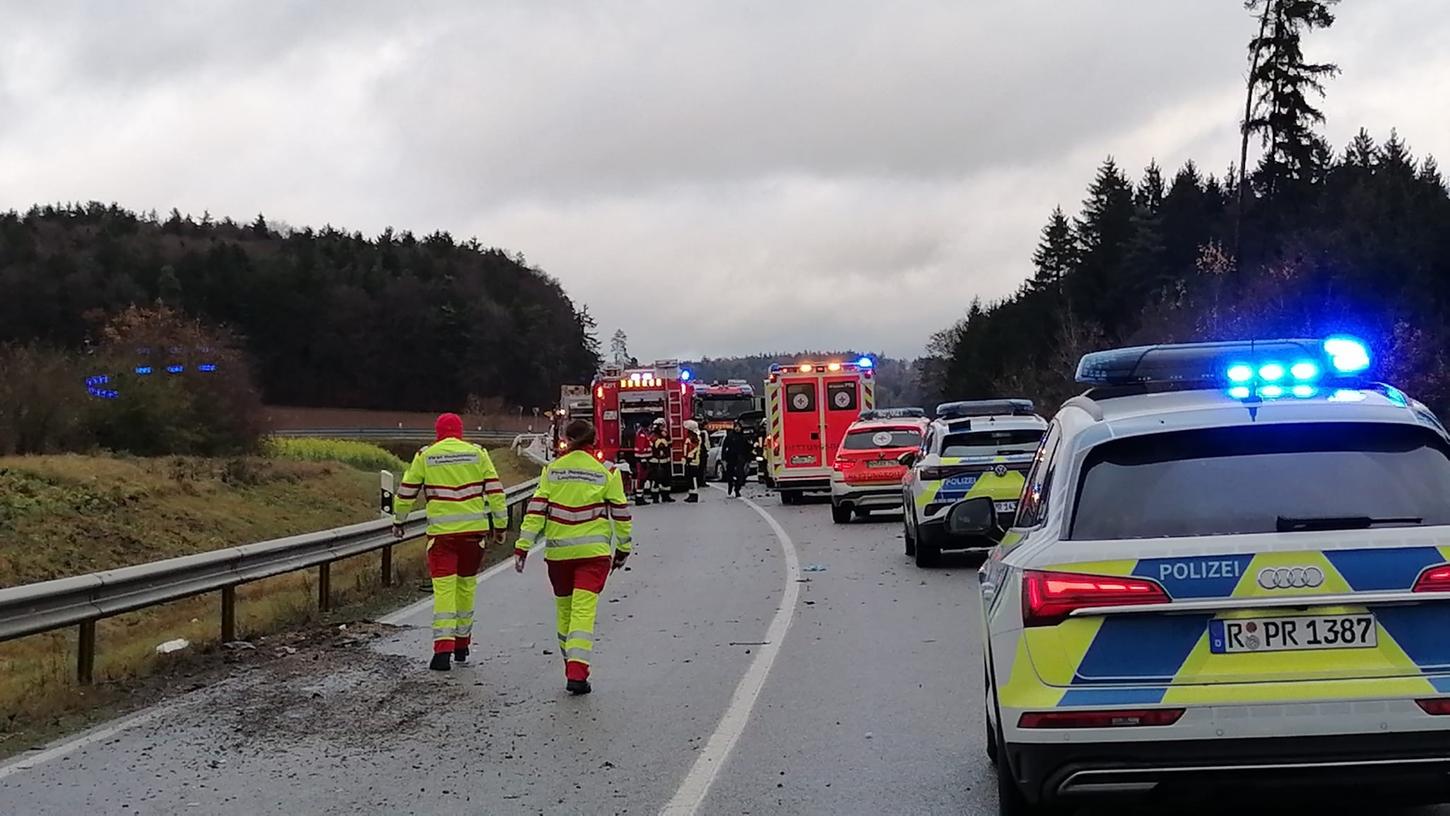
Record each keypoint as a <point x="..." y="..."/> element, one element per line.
<point x="709" y="762"/>
<point x="56" y="750"/>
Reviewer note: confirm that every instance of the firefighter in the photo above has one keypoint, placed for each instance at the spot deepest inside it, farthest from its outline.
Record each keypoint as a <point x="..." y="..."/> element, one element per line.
<point x="661" y="458"/>
<point x="466" y="508"/>
<point x="735" y="452"/>
<point x="643" y="464"/>
<point x="579" y="508"/>
<point x="694" y="460"/>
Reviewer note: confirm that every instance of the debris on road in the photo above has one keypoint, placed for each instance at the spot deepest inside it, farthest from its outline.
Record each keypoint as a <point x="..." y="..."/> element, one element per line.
<point x="172" y="646"/>
<point x="814" y="568"/>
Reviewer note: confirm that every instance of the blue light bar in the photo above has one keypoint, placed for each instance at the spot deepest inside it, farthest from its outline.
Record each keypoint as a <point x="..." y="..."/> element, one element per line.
<point x="1304" y="370"/>
<point x="1240" y="373"/>
<point x="684" y="374"/>
<point x="175" y="369"/>
<point x="1249" y="362"/>
<point x="143" y="370"/>
<point x="1346" y="354"/>
<point x="206" y="368"/>
<point x="865" y="362"/>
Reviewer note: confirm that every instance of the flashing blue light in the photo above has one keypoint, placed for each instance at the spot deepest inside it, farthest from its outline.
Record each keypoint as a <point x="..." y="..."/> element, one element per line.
<point x="1396" y="396"/>
<point x="865" y="362"/>
<point x="1347" y="395"/>
<point x="143" y="370"/>
<point x="207" y="368"/>
<point x="1271" y="392"/>
<point x="1240" y="373"/>
<point x="1304" y="391"/>
<point x="1347" y="355"/>
<point x="175" y="369"/>
<point x="1239" y="392"/>
<point x="1304" y="370"/>
<point x="1271" y="372"/>
<point x="685" y="374"/>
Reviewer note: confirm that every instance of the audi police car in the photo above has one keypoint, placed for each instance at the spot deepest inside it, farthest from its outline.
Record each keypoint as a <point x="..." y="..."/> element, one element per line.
<point x="1230" y="567"/>
<point x="977" y="448"/>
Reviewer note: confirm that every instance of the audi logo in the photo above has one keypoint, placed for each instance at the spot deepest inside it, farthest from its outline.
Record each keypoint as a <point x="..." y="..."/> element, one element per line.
<point x="1290" y="577"/>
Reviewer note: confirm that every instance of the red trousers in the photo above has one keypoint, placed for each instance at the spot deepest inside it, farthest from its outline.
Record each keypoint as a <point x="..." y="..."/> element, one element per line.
<point x="577" y="584"/>
<point x="453" y="562"/>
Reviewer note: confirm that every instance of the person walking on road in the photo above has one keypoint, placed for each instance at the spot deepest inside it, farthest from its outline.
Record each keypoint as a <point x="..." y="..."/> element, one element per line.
<point x="466" y="508"/>
<point x="735" y="452"/>
<point x="694" y="460"/>
<point x="578" y="511"/>
<point x="661" y="456"/>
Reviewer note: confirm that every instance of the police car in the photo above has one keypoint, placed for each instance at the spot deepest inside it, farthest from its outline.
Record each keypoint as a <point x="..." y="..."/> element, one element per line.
<point x="867" y="471"/>
<point x="1230" y="568"/>
<point x="976" y="448"/>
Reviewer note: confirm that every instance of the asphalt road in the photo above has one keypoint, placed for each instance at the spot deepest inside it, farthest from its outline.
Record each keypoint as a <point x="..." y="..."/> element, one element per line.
<point x="869" y="704"/>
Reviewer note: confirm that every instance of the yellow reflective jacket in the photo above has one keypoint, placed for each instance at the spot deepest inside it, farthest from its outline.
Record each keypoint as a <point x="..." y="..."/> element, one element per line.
<point x="457" y="481"/>
<point x="578" y="510"/>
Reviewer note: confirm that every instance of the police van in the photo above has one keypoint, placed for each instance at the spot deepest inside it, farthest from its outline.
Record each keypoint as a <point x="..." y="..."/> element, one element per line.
<point x="974" y="448"/>
<point x="1230" y="568"/>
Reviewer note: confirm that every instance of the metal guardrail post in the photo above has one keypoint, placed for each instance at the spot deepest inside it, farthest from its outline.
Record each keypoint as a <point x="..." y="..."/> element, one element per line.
<point x="388" y="565"/>
<point x="86" y="652"/>
<point x="324" y="587"/>
<point x="229" y="614"/>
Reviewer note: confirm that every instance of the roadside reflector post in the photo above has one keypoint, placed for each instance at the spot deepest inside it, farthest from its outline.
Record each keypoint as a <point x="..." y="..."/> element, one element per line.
<point x="324" y="587"/>
<point x="388" y="565"/>
<point x="387" y="489"/>
<point x="86" y="653"/>
<point x="229" y="614"/>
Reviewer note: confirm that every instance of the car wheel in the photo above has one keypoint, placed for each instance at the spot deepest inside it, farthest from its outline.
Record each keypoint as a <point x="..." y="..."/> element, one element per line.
<point x="927" y="550"/>
<point x="839" y="514"/>
<point x="788" y="497"/>
<point x="908" y="534"/>
<point x="862" y="513"/>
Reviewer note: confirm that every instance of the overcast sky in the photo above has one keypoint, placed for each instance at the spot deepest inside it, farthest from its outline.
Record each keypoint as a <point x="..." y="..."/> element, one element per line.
<point x="783" y="174"/>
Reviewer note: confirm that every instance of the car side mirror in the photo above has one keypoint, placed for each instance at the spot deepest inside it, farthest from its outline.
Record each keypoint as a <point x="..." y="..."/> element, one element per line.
<point x="972" y="517"/>
<point x="907" y="459"/>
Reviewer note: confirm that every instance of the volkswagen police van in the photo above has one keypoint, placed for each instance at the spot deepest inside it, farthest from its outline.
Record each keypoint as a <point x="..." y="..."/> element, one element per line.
<point x="1230" y="569"/>
<point x="976" y="448"/>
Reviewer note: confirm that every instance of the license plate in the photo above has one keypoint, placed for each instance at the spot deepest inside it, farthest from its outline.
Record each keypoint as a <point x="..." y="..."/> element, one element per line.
<point x="1006" y="507"/>
<point x="1297" y="633"/>
<point x="803" y="460"/>
<point x="884" y="463"/>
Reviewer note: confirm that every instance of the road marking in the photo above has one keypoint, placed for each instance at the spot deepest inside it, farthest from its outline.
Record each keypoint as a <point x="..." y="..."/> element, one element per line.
<point x="62" y="748"/>
<point x="696" y="784"/>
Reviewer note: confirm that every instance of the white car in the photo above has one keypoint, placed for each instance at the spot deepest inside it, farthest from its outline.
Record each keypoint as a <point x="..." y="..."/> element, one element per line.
<point x="976" y="448"/>
<point x="1230" y="568"/>
<point x="714" y="467"/>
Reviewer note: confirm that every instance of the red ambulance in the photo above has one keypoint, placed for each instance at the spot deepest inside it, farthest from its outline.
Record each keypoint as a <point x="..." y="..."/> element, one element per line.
<point x="808" y="408"/>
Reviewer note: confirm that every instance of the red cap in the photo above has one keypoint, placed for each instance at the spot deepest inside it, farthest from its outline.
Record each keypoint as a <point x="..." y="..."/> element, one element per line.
<point x="449" y="425"/>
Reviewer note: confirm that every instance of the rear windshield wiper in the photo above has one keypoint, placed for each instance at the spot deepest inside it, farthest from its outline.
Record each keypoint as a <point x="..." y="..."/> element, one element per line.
<point x="1290" y="524"/>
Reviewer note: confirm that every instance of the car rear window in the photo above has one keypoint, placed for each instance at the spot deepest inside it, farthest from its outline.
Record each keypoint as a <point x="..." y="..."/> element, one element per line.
<point x="991" y="443"/>
<point x="1227" y="481"/>
<point x="873" y="438"/>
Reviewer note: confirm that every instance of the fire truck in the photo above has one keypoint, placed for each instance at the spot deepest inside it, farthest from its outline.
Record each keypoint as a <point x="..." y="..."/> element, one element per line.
<point x="808" y="407"/>
<point x="719" y="405"/>
<point x="626" y="400"/>
<point x="574" y="403"/>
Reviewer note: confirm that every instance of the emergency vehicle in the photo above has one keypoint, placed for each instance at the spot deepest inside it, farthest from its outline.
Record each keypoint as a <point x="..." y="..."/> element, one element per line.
<point x="1230" y="568"/>
<point x="627" y="400"/>
<point x="972" y="448"/>
<point x="574" y="403"/>
<point x="867" y="473"/>
<point x="719" y="405"/>
<point x="808" y="407"/>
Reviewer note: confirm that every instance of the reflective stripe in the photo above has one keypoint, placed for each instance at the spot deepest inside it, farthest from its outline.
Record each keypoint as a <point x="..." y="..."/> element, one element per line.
<point x="463" y="630"/>
<point x="587" y="637"/>
<point x="537" y="505"/>
<point x="444" y="617"/>
<point x="572" y="516"/>
<point x="578" y="655"/>
<point x="456" y="516"/>
<point x="493" y="486"/>
<point x="408" y="491"/>
<point x="528" y="537"/>
<point x="577" y="540"/>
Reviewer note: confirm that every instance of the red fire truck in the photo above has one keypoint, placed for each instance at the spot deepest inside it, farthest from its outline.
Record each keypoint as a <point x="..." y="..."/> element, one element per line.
<point x="628" y="400"/>
<point x="719" y="405"/>
<point x="574" y="403"/>
<point x="808" y="407"/>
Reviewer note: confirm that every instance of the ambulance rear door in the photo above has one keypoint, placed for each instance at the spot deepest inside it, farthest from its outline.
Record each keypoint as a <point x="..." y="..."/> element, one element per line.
<point x="803" y="445"/>
<point x="841" y="406"/>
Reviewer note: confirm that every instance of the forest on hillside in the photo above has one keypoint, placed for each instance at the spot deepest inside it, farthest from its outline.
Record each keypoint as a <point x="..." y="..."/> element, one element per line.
<point x="324" y="317"/>
<point x="1312" y="240"/>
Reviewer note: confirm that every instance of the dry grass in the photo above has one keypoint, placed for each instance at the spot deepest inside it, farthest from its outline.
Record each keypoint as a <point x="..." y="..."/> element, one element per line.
<point x="67" y="515"/>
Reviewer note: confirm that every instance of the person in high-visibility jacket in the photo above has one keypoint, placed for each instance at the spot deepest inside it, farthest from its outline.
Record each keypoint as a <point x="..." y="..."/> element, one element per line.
<point x="581" y="516"/>
<point x="694" y="460"/>
<point x="466" y="507"/>
<point x="661" y="474"/>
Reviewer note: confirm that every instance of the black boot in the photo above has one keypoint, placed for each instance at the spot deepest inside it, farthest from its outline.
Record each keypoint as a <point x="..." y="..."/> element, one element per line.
<point x="441" y="662"/>
<point x="692" y="498"/>
<point x="578" y="687"/>
<point x="460" y="654"/>
<point x="667" y="498"/>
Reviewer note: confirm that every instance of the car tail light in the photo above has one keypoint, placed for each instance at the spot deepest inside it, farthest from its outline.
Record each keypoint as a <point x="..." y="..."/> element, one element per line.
<point x="1434" y="579"/>
<point x="1129" y="718"/>
<point x="845" y="464"/>
<point x="932" y="474"/>
<point x="1049" y="597"/>
<point x="1435" y="707"/>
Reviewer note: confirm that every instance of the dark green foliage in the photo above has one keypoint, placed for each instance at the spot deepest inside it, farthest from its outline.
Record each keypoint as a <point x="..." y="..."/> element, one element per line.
<point x="330" y="318"/>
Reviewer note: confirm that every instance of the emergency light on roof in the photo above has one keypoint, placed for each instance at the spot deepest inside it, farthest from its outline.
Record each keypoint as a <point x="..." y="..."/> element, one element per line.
<point x="893" y="413"/>
<point x="981" y="408"/>
<point x="865" y="362"/>
<point x="685" y="374"/>
<point x="1263" y="369"/>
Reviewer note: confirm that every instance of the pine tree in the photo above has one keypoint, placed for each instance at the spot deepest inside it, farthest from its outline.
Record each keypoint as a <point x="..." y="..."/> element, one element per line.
<point x="1281" y="85"/>
<point x="619" y="348"/>
<point x="1430" y="173"/>
<point x="1147" y="251"/>
<point x="590" y="329"/>
<point x="1097" y="288"/>
<point x="1055" y="254"/>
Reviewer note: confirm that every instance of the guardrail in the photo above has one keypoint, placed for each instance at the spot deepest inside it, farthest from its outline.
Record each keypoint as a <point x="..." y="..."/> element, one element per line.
<point x="84" y="599"/>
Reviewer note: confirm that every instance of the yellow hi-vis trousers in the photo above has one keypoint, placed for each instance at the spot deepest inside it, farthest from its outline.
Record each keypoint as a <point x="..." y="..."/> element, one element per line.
<point x="577" y="584"/>
<point x="453" y="562"/>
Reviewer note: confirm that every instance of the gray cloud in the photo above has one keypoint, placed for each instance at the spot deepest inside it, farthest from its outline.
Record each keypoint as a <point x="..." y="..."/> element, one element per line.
<point x="804" y="174"/>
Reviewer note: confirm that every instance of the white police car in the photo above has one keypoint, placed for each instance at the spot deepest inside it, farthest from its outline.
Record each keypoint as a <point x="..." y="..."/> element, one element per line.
<point x="974" y="448"/>
<point x="1231" y="567"/>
